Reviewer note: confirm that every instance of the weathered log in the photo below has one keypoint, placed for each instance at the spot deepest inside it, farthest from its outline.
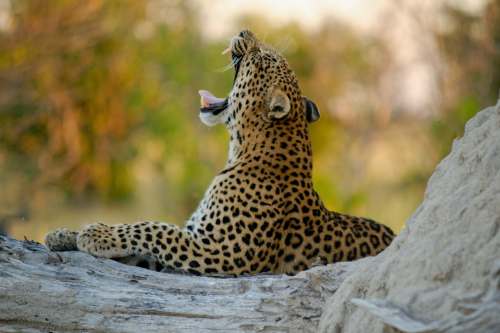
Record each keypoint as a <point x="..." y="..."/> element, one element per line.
<point x="43" y="291"/>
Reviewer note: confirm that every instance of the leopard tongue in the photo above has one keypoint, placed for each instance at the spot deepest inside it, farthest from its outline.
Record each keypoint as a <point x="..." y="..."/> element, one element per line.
<point x="208" y="99"/>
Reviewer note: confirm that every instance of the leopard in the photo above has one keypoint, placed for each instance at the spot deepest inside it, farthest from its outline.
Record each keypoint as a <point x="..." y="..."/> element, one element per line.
<point x="261" y="213"/>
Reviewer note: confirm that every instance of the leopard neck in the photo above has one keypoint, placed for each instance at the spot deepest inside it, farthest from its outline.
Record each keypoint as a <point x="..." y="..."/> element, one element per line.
<point x="280" y="147"/>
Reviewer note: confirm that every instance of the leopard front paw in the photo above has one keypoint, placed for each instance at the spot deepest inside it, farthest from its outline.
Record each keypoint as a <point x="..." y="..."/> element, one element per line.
<point x="101" y="240"/>
<point x="61" y="240"/>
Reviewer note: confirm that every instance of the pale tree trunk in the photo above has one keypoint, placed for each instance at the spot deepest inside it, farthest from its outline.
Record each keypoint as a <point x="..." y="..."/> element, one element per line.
<point x="42" y="291"/>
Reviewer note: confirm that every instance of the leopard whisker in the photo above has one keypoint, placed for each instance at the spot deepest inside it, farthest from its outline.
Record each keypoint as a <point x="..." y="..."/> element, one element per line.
<point x="232" y="64"/>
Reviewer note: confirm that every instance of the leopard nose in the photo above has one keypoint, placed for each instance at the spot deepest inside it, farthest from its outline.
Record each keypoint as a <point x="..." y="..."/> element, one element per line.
<point x="244" y="33"/>
<point x="242" y="43"/>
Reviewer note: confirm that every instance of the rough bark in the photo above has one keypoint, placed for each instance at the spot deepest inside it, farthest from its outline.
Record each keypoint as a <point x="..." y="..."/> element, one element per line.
<point x="42" y="291"/>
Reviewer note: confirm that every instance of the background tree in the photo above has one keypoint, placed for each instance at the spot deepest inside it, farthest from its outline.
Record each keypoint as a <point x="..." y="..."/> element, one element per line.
<point x="99" y="108"/>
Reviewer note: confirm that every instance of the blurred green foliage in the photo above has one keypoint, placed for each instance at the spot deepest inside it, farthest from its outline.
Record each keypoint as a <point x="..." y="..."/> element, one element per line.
<point x="99" y="104"/>
<point x="471" y="51"/>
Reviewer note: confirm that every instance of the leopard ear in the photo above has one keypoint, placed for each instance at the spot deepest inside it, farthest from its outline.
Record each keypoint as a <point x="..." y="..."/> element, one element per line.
<point x="312" y="112"/>
<point x="279" y="104"/>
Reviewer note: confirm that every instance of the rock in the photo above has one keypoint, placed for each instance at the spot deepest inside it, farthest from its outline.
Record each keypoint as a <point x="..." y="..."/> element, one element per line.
<point x="442" y="273"/>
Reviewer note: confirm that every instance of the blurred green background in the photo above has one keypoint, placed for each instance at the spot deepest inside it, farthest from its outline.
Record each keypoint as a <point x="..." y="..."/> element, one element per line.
<point x="99" y="104"/>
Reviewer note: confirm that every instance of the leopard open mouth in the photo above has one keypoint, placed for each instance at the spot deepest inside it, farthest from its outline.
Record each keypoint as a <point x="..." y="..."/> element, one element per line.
<point x="213" y="105"/>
